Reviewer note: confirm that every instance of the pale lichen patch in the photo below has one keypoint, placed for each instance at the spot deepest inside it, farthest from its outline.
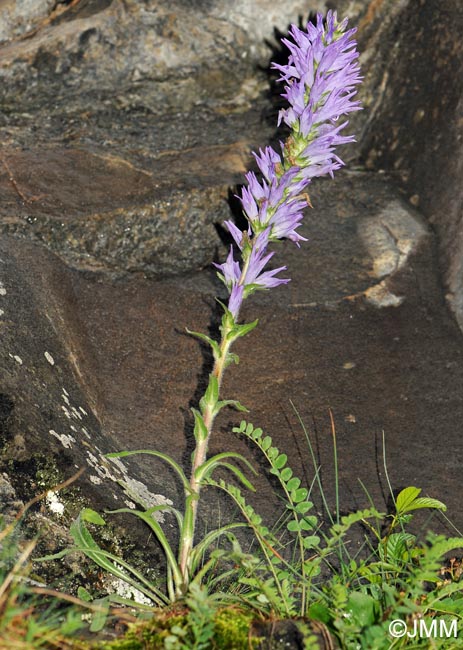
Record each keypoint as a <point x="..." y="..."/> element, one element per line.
<point x="54" y="504"/>
<point x="136" y="491"/>
<point x="76" y="413"/>
<point x="66" y="412"/>
<point x="2" y="289"/>
<point x="380" y="296"/>
<point x="126" y="591"/>
<point x="95" y="479"/>
<point x="49" y="358"/>
<point x="119" y="464"/>
<point x="100" y="469"/>
<point x="140" y="493"/>
<point x="65" y="440"/>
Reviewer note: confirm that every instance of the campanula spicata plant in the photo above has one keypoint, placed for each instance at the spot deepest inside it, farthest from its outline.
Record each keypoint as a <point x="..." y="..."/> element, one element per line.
<point x="319" y="84"/>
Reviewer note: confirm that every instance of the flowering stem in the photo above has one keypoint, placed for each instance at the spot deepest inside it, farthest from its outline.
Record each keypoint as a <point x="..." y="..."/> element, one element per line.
<point x="320" y="79"/>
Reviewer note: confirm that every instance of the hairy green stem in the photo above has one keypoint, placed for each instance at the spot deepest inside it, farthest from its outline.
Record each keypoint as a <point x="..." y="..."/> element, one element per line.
<point x="202" y="444"/>
<point x="199" y="457"/>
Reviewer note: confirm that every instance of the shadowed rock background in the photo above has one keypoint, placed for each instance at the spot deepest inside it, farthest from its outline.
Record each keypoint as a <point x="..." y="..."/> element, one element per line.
<point x="125" y="127"/>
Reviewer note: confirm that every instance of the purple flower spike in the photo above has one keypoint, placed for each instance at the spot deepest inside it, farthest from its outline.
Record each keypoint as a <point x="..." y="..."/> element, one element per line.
<point x="320" y="85"/>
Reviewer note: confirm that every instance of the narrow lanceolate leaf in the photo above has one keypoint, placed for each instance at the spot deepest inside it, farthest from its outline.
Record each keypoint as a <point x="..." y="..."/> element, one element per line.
<point x="212" y="392"/>
<point x="85" y="543"/>
<point x="227" y="319"/>
<point x="197" y="554"/>
<point x="207" y="339"/>
<point x="160" y="536"/>
<point x="239" y="475"/>
<point x="229" y="402"/>
<point x="200" y="429"/>
<point x="204" y="472"/>
<point x="242" y="330"/>
<point x="158" y="454"/>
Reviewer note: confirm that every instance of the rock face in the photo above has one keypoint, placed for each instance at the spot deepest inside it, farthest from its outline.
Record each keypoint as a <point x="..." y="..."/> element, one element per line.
<point x="165" y="56"/>
<point x="101" y="212"/>
<point x="125" y="128"/>
<point x="413" y="123"/>
<point x="50" y="400"/>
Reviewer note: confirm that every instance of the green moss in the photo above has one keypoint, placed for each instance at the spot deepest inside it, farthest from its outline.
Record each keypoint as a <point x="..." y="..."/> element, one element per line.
<point x="145" y="636"/>
<point x="231" y="632"/>
<point x="47" y="474"/>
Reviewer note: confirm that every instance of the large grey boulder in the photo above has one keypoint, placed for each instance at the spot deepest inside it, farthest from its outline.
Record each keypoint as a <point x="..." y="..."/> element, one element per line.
<point x="160" y="55"/>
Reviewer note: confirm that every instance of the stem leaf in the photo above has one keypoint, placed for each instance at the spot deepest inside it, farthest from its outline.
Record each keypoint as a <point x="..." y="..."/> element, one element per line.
<point x="207" y="339"/>
<point x="241" y="330"/>
<point x="230" y="402"/>
<point x="200" y="430"/>
<point x="170" y="461"/>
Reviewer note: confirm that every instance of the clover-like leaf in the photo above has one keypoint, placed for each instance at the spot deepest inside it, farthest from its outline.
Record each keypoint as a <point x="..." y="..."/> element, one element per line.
<point x="293" y="484"/>
<point x="266" y="443"/>
<point x="272" y="453"/>
<point x="311" y="541"/>
<point x="280" y="461"/>
<point x="299" y="495"/>
<point x="286" y="474"/>
<point x="303" y="507"/>
<point x="308" y="523"/>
